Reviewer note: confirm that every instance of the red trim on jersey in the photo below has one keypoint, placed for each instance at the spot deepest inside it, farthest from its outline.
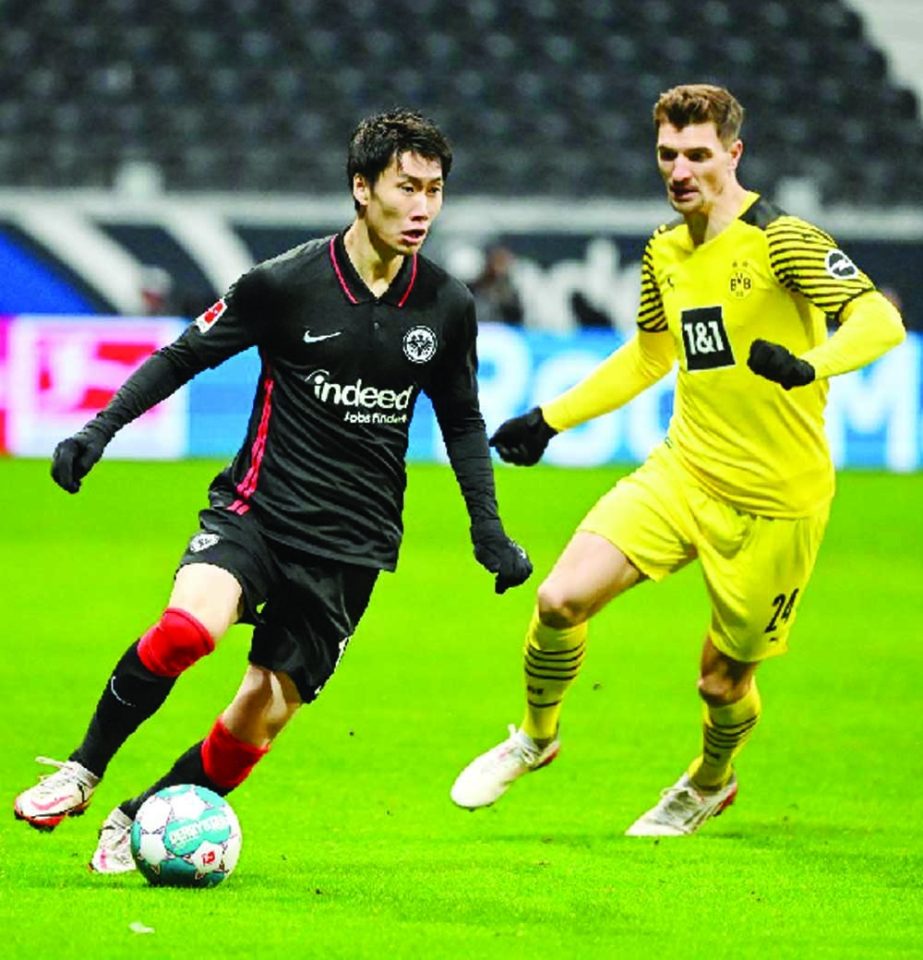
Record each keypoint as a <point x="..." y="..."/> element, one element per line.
<point x="339" y="272"/>
<point x="413" y="277"/>
<point x="246" y="486"/>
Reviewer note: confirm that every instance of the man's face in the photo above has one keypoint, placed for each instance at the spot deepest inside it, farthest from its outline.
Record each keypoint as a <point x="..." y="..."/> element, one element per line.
<point x="403" y="202"/>
<point x="695" y="165"/>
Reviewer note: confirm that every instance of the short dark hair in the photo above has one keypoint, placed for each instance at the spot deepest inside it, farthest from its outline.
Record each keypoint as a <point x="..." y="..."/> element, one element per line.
<point x="380" y="137"/>
<point x="701" y="103"/>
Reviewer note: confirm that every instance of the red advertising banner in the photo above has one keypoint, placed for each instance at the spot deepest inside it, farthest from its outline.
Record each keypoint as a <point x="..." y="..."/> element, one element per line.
<point x="4" y="386"/>
<point x="58" y="372"/>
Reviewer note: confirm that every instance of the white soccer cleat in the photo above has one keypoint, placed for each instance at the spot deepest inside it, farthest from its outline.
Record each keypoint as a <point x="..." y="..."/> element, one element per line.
<point x="113" y="849"/>
<point x="64" y="793"/>
<point x="489" y="776"/>
<point x="682" y="810"/>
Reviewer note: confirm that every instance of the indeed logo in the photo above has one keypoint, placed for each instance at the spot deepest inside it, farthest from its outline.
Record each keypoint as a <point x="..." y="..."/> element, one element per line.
<point x="357" y="395"/>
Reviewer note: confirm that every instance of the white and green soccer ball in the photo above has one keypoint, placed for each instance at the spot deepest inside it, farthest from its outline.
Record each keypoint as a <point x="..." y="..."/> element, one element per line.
<point x="185" y="836"/>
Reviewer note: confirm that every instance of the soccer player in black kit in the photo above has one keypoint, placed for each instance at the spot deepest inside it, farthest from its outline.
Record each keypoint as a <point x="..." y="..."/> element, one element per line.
<point x="350" y="328"/>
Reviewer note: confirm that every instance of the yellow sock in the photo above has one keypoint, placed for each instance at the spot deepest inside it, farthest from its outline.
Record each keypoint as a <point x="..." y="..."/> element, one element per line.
<point x="552" y="662"/>
<point x="726" y="731"/>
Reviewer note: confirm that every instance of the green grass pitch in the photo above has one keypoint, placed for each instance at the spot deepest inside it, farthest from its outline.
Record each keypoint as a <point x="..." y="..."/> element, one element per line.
<point x="351" y="845"/>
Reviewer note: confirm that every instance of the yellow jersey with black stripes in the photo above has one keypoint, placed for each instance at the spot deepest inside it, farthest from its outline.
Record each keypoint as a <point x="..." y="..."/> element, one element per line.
<point x="767" y="275"/>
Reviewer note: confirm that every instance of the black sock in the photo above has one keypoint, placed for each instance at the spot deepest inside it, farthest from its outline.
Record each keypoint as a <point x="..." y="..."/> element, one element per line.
<point x="132" y="695"/>
<point x="188" y="769"/>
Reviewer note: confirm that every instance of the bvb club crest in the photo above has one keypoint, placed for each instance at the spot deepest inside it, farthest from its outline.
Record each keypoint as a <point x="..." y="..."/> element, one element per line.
<point x="419" y="344"/>
<point x="741" y="281"/>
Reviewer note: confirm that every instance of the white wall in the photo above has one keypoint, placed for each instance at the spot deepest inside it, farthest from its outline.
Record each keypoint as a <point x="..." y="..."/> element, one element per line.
<point x="896" y="28"/>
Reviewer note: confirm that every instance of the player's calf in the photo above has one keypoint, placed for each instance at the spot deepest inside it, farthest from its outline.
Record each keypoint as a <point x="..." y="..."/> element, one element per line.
<point x="140" y="683"/>
<point x="221" y="762"/>
<point x="226" y="759"/>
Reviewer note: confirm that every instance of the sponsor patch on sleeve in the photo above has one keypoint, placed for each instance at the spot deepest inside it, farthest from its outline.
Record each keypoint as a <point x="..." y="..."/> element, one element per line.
<point x="208" y="319"/>
<point x="840" y="266"/>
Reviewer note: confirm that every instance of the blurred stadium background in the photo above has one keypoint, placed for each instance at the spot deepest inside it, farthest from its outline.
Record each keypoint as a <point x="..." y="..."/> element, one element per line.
<point x="149" y="153"/>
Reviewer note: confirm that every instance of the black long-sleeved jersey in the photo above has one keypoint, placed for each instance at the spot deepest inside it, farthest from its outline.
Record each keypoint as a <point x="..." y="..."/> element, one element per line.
<point x="322" y="466"/>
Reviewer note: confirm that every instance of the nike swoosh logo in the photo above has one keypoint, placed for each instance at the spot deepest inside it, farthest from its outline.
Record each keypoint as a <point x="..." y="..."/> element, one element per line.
<point x="324" y="336"/>
<point x="51" y="803"/>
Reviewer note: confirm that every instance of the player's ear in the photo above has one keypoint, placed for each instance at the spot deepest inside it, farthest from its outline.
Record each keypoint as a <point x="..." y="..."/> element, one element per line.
<point x="361" y="190"/>
<point x="736" y="150"/>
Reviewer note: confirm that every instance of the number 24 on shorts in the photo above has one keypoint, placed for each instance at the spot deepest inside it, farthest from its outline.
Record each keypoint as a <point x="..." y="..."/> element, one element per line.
<point x="784" y="605"/>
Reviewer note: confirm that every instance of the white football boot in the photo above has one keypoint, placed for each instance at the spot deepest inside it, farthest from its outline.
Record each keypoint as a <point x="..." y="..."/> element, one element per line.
<point x="64" y="793"/>
<point x="490" y="775"/>
<point x="113" y="850"/>
<point x="683" y="809"/>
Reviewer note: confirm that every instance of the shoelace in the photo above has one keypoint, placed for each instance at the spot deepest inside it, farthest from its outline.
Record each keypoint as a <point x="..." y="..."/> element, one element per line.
<point x="116" y="841"/>
<point x="69" y="775"/>
<point x="679" y="799"/>
<point x="50" y="762"/>
<point x="64" y="774"/>
<point x="514" y="747"/>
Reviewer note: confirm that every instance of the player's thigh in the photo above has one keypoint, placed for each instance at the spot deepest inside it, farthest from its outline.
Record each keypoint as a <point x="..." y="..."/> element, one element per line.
<point x="210" y="593"/>
<point x="589" y="573"/>
<point x="226" y="572"/>
<point x="756" y="591"/>
<point x="647" y="518"/>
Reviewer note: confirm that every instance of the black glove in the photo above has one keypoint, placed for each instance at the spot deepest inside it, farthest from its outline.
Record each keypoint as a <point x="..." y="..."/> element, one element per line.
<point x="494" y="550"/>
<point x="522" y="440"/>
<point x="74" y="457"/>
<point x="779" y="364"/>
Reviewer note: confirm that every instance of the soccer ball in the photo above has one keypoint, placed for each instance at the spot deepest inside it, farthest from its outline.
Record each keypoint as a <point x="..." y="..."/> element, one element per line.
<point x="185" y="836"/>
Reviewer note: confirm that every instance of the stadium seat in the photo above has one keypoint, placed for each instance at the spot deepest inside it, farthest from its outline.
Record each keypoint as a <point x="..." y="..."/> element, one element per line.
<point x="521" y="86"/>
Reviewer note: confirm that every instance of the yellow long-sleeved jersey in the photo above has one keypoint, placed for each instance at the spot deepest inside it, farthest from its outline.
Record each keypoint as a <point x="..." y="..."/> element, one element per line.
<point x="767" y="275"/>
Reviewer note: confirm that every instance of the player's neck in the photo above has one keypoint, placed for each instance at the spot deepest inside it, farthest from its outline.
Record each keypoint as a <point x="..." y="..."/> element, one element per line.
<point x="725" y="209"/>
<point x="376" y="264"/>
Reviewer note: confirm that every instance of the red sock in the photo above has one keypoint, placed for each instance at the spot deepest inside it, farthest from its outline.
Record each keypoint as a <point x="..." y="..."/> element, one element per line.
<point x="174" y="643"/>
<point x="226" y="760"/>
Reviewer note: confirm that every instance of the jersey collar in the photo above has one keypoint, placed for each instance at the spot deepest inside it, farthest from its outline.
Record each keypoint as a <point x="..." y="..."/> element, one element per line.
<point x="353" y="286"/>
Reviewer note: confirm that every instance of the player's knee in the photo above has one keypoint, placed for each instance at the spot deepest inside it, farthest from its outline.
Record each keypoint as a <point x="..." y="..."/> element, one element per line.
<point x="174" y="643"/>
<point x="718" y="689"/>
<point x="557" y="608"/>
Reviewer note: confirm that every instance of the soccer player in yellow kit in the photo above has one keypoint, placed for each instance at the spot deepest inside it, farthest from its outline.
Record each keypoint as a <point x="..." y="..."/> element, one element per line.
<point x="738" y="294"/>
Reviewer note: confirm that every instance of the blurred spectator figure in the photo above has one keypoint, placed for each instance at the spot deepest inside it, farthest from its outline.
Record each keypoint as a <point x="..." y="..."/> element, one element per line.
<point x="155" y="290"/>
<point x="893" y="296"/>
<point x="588" y="316"/>
<point x="494" y="289"/>
<point x="911" y="316"/>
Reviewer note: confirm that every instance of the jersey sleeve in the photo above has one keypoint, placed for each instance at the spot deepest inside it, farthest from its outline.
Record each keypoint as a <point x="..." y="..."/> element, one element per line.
<point x="651" y="315"/>
<point x="233" y="323"/>
<point x="644" y="360"/>
<point x="454" y="388"/>
<point x="454" y="394"/>
<point x="870" y="326"/>
<point x="806" y="260"/>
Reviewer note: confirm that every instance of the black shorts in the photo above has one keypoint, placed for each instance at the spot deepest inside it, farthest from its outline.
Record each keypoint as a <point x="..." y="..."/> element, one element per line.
<point x="304" y="608"/>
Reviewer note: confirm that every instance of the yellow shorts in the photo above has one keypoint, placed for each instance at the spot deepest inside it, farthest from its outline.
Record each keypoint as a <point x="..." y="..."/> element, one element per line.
<point x="755" y="568"/>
